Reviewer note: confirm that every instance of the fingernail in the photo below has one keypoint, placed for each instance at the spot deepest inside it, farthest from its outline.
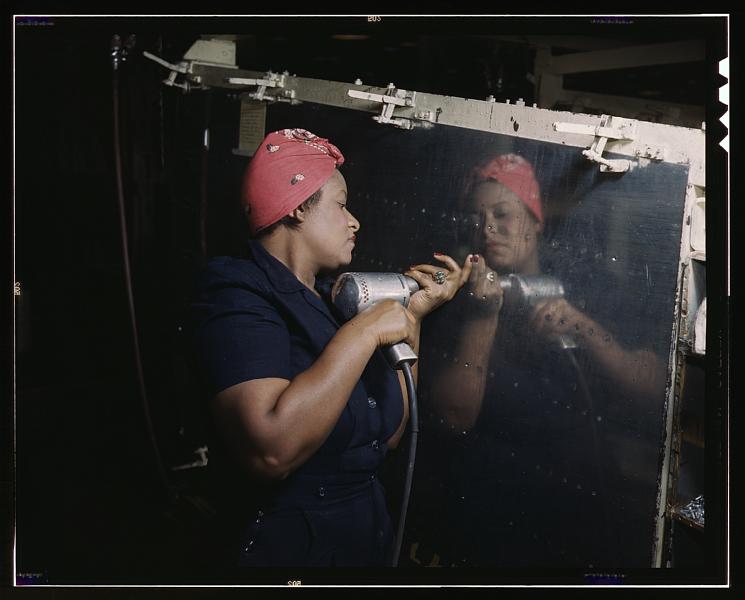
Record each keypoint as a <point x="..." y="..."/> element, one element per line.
<point x="437" y="254"/>
<point x="475" y="258"/>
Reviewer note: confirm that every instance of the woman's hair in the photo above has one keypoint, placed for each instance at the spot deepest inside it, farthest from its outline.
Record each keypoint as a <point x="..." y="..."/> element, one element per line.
<point x="287" y="220"/>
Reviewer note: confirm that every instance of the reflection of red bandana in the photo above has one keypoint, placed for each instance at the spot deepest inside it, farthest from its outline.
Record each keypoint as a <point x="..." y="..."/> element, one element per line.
<point x="514" y="172"/>
<point x="288" y="167"/>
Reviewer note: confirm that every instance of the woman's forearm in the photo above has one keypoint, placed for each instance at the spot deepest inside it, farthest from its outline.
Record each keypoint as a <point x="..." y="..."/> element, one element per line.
<point x="639" y="372"/>
<point x="457" y="389"/>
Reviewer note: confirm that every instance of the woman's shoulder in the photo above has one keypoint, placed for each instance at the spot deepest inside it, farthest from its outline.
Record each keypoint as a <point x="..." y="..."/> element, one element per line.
<point x="223" y="273"/>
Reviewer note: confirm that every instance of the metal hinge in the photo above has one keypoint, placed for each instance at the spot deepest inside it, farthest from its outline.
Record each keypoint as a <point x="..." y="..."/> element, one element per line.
<point x="610" y="128"/>
<point x="390" y="100"/>
<point x="183" y="67"/>
<point x="270" y="80"/>
<point x="202" y="461"/>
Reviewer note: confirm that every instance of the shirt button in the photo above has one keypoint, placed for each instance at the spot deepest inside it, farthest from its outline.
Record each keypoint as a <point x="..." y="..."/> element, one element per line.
<point x="372" y="477"/>
<point x="375" y="444"/>
<point x="321" y="491"/>
<point x="371" y="402"/>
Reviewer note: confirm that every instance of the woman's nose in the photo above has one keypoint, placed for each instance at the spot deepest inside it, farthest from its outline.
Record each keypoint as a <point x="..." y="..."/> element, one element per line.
<point x="354" y="224"/>
<point x="495" y="228"/>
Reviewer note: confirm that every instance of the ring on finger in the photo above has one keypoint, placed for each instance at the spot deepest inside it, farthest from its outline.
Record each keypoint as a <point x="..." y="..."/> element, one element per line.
<point x="439" y="277"/>
<point x="490" y="276"/>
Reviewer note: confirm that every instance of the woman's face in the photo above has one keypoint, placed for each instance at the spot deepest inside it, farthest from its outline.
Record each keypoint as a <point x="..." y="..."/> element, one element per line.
<point x="329" y="227"/>
<point x="509" y="232"/>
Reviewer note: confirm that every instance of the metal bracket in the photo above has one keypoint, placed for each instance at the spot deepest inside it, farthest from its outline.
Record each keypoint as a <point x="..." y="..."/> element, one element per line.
<point x="390" y="100"/>
<point x="211" y="53"/>
<point x="610" y="128"/>
<point x="202" y="461"/>
<point x="270" y="80"/>
<point x="183" y="67"/>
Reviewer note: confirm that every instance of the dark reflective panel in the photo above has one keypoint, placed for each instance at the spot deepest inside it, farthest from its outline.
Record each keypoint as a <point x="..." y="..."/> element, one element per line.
<point x="542" y="403"/>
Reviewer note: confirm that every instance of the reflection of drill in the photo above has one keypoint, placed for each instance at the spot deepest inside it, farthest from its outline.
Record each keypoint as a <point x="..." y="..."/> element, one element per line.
<point x="528" y="290"/>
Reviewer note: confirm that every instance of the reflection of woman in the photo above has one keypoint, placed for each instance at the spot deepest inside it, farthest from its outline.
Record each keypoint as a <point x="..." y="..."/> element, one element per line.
<point x="306" y="406"/>
<point x="505" y="199"/>
<point x="523" y="487"/>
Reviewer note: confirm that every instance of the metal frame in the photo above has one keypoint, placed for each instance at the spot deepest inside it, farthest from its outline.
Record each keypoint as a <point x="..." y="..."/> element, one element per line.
<point x="639" y="141"/>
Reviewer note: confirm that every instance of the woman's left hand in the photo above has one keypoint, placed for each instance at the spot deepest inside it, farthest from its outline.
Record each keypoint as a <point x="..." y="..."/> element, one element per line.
<point x="558" y="317"/>
<point x="431" y="293"/>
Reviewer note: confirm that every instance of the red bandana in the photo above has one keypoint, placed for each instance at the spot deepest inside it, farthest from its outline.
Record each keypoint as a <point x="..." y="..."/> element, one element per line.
<point x="288" y="167"/>
<point x="515" y="172"/>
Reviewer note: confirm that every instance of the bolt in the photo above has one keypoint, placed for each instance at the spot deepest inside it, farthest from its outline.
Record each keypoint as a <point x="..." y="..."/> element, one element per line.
<point x="358" y="81"/>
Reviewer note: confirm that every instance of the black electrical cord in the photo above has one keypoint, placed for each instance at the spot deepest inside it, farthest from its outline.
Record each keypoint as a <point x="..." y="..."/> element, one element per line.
<point x="204" y="189"/>
<point x="414" y="420"/>
<point x="597" y="447"/>
<point x="130" y="296"/>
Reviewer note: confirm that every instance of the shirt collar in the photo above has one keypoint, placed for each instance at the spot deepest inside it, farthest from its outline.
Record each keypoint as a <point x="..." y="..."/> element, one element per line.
<point x="281" y="277"/>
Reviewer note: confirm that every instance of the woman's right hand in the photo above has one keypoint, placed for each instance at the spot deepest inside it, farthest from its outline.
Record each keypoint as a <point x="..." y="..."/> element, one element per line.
<point x="389" y="322"/>
<point x="485" y="295"/>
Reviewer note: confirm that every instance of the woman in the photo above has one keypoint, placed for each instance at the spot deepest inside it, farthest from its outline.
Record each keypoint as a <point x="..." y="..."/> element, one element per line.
<point x="522" y="458"/>
<point x="301" y="402"/>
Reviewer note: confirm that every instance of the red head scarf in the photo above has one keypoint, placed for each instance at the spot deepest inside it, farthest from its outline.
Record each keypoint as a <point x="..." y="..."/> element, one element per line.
<point x="515" y="173"/>
<point x="288" y="167"/>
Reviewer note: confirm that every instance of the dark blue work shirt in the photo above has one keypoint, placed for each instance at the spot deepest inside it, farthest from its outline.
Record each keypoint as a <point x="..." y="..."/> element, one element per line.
<point x="254" y="319"/>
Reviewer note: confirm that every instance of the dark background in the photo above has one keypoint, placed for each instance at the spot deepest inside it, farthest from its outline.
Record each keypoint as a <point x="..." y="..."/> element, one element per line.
<point x="91" y="505"/>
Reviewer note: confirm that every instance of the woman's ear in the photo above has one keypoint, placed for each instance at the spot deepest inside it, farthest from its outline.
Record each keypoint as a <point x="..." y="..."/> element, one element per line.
<point x="533" y="229"/>
<point x="297" y="214"/>
<point x="539" y="227"/>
